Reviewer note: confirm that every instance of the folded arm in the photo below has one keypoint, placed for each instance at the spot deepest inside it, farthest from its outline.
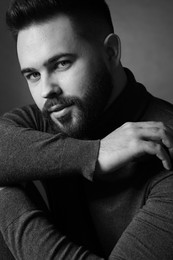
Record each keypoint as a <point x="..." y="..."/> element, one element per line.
<point x="29" y="152"/>
<point x="29" y="233"/>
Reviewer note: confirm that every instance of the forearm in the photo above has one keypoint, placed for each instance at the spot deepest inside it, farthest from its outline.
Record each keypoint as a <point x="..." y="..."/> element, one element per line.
<point x="150" y="233"/>
<point x="28" y="154"/>
<point x="28" y="151"/>
<point x="29" y="233"/>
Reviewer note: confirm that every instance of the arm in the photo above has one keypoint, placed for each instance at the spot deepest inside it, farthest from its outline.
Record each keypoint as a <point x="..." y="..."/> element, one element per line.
<point x="27" y="152"/>
<point x="30" y="234"/>
<point x="132" y="141"/>
<point x="150" y="234"/>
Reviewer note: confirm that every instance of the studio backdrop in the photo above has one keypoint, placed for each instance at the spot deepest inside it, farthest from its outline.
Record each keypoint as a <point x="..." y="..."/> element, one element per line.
<point x="145" y="28"/>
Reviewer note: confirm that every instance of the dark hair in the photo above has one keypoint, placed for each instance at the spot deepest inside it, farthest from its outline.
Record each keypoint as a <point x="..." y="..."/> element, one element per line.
<point x="22" y="13"/>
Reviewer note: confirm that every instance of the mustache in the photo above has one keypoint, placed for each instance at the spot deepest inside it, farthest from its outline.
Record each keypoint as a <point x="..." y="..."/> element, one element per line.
<point x="60" y="101"/>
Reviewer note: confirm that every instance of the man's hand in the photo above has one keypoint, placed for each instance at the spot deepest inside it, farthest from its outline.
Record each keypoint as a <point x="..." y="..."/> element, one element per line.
<point x="133" y="140"/>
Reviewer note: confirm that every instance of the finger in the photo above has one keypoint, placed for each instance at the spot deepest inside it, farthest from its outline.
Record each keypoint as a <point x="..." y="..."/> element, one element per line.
<point x="156" y="125"/>
<point x="171" y="152"/>
<point x="159" y="151"/>
<point x="164" y="157"/>
<point x="164" y="131"/>
<point x="167" y="138"/>
<point x="157" y="134"/>
<point x="148" y="124"/>
<point x="152" y="130"/>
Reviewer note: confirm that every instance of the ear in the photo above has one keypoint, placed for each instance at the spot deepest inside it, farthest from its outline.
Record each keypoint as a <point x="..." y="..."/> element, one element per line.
<point x="112" y="46"/>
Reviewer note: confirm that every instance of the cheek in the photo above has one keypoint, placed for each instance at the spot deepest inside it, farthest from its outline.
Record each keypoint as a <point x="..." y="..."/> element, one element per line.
<point x="36" y="95"/>
<point x="77" y="81"/>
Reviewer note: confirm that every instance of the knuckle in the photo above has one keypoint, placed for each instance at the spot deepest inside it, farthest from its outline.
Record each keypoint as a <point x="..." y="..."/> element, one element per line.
<point x="128" y="124"/>
<point x="131" y="128"/>
<point x="159" y="148"/>
<point x="162" y="132"/>
<point x="161" y="125"/>
<point x="155" y="131"/>
<point x="134" y="134"/>
<point x="151" y="146"/>
<point x="135" y="144"/>
<point x="154" y="146"/>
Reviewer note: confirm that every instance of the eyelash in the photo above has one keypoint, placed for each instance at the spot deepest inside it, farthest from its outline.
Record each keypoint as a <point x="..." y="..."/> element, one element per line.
<point x="28" y="77"/>
<point x="55" y="67"/>
<point x="67" y="64"/>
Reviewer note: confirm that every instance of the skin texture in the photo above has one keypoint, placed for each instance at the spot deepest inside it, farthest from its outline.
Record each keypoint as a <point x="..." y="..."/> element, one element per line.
<point x="65" y="74"/>
<point x="69" y="82"/>
<point x="73" y="80"/>
<point x="134" y="140"/>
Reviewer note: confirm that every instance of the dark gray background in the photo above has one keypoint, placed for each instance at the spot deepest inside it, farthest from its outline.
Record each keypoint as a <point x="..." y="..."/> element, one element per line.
<point x="146" y="31"/>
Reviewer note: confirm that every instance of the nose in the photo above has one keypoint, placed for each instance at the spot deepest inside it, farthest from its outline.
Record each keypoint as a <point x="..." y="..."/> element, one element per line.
<point x="49" y="87"/>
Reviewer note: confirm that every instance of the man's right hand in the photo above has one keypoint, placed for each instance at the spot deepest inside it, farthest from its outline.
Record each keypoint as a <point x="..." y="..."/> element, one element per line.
<point x="133" y="140"/>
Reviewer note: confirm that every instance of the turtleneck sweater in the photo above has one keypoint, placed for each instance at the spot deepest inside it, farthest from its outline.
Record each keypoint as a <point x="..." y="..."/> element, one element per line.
<point x="127" y="216"/>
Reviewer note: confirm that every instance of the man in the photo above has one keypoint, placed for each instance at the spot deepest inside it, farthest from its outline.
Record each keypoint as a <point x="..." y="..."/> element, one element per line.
<point x="110" y="198"/>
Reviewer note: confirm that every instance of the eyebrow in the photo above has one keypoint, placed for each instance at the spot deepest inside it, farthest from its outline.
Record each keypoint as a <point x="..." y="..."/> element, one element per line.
<point x="27" y="70"/>
<point x="49" y="61"/>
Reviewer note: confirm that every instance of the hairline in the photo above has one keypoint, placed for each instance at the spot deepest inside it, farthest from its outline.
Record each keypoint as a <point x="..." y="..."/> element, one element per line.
<point x="83" y="27"/>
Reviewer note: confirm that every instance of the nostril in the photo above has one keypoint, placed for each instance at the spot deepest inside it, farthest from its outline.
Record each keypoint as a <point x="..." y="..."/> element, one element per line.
<point x="52" y="95"/>
<point x="57" y="90"/>
<point x="51" y="90"/>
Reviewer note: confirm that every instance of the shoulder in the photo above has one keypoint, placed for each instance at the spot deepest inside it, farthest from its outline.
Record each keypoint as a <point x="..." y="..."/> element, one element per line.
<point x="159" y="110"/>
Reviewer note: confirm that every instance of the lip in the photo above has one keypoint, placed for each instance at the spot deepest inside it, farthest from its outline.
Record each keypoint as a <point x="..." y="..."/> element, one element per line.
<point x="57" y="108"/>
<point x="59" y="112"/>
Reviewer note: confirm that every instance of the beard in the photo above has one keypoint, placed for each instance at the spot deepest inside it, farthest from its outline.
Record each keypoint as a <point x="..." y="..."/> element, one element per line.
<point x="89" y="109"/>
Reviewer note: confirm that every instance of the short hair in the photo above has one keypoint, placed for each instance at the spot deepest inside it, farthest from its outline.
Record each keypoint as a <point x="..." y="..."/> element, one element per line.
<point x="23" y="13"/>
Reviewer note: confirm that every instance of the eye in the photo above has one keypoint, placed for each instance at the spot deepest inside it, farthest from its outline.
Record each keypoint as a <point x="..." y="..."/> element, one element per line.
<point x="62" y="65"/>
<point x="34" y="76"/>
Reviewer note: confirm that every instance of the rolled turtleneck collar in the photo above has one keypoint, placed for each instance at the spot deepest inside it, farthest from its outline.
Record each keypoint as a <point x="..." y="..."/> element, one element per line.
<point x="129" y="106"/>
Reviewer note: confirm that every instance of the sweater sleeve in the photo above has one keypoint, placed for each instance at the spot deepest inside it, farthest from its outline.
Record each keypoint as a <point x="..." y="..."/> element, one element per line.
<point x="150" y="233"/>
<point x="30" y="234"/>
<point x="29" y="152"/>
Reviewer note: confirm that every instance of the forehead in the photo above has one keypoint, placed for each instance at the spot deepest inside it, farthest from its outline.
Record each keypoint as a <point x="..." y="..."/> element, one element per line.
<point x="47" y="38"/>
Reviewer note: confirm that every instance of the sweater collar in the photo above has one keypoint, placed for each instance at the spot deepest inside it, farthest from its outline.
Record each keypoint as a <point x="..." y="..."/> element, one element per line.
<point x="128" y="107"/>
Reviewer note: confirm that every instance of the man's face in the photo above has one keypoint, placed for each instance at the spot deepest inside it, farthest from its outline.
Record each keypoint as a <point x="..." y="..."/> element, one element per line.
<point x="66" y="74"/>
